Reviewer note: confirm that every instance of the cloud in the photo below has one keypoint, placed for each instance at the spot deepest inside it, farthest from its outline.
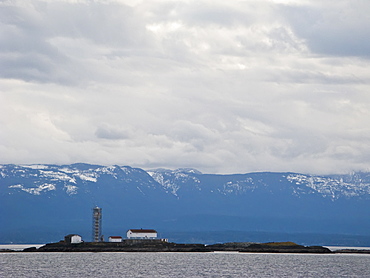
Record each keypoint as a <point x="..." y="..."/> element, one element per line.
<point x="111" y="133"/>
<point x="221" y="86"/>
<point x="334" y="27"/>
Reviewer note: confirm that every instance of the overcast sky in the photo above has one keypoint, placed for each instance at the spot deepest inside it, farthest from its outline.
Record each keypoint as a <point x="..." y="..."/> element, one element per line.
<point x="220" y="86"/>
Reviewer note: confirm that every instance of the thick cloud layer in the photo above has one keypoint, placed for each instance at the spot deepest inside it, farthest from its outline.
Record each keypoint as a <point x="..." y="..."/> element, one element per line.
<point x="221" y="86"/>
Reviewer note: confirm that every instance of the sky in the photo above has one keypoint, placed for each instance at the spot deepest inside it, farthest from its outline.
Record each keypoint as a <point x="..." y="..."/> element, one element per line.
<point x="220" y="86"/>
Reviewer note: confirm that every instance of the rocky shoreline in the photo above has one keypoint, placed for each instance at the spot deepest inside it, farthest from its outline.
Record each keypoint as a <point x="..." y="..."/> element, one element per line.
<point x="162" y="246"/>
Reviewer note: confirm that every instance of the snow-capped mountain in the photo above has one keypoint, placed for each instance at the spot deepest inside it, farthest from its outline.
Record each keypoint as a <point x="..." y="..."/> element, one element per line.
<point x="57" y="199"/>
<point x="333" y="187"/>
<point x="71" y="179"/>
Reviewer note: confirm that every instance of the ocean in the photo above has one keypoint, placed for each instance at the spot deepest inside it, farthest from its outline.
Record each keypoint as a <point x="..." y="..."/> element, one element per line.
<point x="69" y="265"/>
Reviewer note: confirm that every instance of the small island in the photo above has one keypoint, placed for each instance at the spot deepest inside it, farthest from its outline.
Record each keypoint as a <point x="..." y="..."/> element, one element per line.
<point x="158" y="245"/>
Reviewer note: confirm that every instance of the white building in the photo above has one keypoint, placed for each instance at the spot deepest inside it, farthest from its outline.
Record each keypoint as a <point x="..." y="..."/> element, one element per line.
<point x="72" y="238"/>
<point x="115" y="239"/>
<point x="142" y="234"/>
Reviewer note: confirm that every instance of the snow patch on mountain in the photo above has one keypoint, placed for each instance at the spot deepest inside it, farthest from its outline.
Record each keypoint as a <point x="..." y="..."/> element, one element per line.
<point x="57" y="176"/>
<point x="173" y="180"/>
<point x="168" y="186"/>
<point x="36" y="166"/>
<point x="107" y="170"/>
<point x="127" y="170"/>
<point x="330" y="187"/>
<point x="92" y="177"/>
<point x="188" y="171"/>
<point x="86" y="175"/>
<point x="70" y="189"/>
<point x="238" y="186"/>
<point x="67" y="170"/>
<point x="35" y="190"/>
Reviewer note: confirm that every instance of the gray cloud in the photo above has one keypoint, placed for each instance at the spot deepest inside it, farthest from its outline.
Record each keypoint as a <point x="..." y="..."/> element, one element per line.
<point x="106" y="132"/>
<point x="334" y="27"/>
<point x="222" y="87"/>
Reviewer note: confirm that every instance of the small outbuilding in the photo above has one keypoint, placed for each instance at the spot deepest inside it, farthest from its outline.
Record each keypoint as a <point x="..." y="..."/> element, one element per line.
<point x="73" y="238"/>
<point x="115" y="239"/>
<point x="142" y="234"/>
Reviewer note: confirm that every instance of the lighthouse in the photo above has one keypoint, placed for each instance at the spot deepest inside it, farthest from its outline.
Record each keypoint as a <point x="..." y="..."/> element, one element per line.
<point x="96" y="228"/>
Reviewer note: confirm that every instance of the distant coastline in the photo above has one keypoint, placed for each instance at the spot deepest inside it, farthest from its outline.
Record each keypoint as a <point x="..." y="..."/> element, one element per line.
<point x="19" y="247"/>
<point x="339" y="248"/>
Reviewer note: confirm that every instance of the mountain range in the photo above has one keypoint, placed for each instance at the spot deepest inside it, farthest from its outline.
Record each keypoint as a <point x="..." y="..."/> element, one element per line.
<point x="42" y="203"/>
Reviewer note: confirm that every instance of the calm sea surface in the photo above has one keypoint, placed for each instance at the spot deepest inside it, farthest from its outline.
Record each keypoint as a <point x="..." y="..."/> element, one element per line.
<point x="182" y="265"/>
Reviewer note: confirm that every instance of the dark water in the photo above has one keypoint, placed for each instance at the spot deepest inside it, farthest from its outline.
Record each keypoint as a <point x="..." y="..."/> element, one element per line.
<point x="182" y="265"/>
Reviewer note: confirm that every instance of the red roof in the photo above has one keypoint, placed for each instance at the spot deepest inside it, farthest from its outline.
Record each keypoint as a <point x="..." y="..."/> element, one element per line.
<point x="115" y="237"/>
<point x="143" y="231"/>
